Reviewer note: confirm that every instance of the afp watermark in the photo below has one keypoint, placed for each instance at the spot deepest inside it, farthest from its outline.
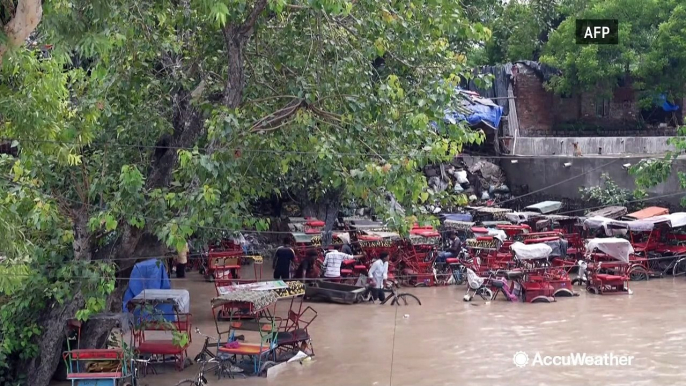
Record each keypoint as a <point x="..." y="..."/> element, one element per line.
<point x="521" y="359"/>
<point x="597" y="31"/>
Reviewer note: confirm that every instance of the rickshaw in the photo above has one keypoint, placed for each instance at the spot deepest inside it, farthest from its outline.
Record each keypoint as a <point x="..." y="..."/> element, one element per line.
<point x="161" y="316"/>
<point x="639" y="260"/>
<point x="608" y="276"/>
<point x="536" y="286"/>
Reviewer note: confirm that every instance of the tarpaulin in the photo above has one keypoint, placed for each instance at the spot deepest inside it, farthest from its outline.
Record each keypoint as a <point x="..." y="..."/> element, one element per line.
<point x="619" y="249"/>
<point x="531" y="251"/>
<point x="148" y="274"/>
<point x="466" y="217"/>
<point x="666" y="106"/>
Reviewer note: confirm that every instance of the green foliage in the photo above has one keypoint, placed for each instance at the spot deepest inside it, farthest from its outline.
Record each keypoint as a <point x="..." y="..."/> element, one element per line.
<point x="652" y="172"/>
<point x="324" y="101"/>
<point x="649" y="34"/>
<point x="607" y="193"/>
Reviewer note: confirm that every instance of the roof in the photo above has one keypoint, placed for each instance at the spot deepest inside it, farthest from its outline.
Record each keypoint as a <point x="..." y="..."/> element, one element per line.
<point x="612" y="212"/>
<point x="544" y="207"/>
<point x="648" y="212"/>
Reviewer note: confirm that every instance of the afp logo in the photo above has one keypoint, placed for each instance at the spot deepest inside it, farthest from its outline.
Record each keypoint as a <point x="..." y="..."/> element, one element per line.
<point x="597" y="31"/>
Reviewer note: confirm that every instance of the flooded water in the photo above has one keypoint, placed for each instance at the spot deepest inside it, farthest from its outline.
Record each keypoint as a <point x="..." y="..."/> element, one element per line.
<point x="446" y="341"/>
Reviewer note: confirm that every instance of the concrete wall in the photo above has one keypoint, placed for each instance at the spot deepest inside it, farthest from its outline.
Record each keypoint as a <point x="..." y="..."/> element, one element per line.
<point x="529" y="146"/>
<point x="531" y="174"/>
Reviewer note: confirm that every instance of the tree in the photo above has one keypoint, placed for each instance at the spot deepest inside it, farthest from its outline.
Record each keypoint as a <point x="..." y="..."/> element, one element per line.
<point x="606" y="194"/>
<point x="638" y="56"/>
<point x="172" y="117"/>
<point x="652" y="172"/>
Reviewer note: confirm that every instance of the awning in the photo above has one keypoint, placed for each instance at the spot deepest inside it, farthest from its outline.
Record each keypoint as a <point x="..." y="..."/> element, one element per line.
<point x="544" y="207"/>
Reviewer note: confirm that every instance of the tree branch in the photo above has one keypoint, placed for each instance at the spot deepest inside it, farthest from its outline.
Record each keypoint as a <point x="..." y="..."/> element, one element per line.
<point x="250" y="21"/>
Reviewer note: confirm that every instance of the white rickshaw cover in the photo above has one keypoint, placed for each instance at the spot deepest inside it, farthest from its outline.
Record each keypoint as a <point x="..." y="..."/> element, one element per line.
<point x="531" y="251"/>
<point x="616" y="248"/>
<point x="475" y="282"/>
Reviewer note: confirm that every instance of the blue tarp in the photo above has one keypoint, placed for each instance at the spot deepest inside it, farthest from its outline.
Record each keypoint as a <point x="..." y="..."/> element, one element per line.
<point x="149" y="274"/>
<point x="465" y="217"/>
<point x="482" y="110"/>
<point x="666" y="106"/>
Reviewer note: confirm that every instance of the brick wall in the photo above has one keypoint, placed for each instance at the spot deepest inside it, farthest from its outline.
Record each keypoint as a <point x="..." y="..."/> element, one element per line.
<point x="534" y="103"/>
<point x="539" y="111"/>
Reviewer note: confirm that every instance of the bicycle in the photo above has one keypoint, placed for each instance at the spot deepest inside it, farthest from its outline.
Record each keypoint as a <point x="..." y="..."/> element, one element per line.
<point x="205" y="353"/>
<point x="200" y="380"/>
<point x="395" y="298"/>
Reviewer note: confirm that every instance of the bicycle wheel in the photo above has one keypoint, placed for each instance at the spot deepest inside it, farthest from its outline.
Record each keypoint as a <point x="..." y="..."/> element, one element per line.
<point x="405" y="300"/>
<point x="186" y="382"/>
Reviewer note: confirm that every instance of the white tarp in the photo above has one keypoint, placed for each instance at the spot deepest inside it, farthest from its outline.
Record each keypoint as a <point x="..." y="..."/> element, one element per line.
<point x="496" y="233"/>
<point x="531" y="251"/>
<point x="618" y="249"/>
<point x="475" y="282"/>
<point x="518" y="217"/>
<point x="646" y="225"/>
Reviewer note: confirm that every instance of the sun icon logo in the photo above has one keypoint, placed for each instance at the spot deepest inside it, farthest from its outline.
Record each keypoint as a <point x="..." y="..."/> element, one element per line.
<point x="520" y="359"/>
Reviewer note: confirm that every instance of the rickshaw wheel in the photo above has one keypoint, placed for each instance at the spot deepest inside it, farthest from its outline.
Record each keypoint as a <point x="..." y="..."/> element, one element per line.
<point x="578" y="281"/>
<point x="266" y="366"/>
<point x="638" y="274"/>
<point x="541" y="300"/>
<point x="593" y="290"/>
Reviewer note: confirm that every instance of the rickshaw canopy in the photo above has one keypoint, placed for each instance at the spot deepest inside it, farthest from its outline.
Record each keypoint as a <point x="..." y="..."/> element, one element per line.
<point x="302" y="238"/>
<point x="531" y="251"/>
<point x="544" y="207"/>
<point x="463" y="217"/>
<point x="618" y="249"/>
<point x="459" y="225"/>
<point x="612" y="212"/>
<point x="646" y="213"/>
<point x="520" y="217"/>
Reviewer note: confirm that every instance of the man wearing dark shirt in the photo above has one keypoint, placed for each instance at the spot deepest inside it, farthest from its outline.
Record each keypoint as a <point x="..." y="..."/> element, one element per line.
<point x="453" y="249"/>
<point x="282" y="261"/>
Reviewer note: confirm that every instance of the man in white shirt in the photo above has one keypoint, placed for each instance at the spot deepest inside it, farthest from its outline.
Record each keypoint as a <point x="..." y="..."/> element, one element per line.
<point x="378" y="272"/>
<point x="332" y="264"/>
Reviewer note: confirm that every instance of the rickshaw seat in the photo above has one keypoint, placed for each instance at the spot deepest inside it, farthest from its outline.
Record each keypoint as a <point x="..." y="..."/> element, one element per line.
<point x="608" y="277"/>
<point x="290" y="337"/>
<point x="452" y="260"/>
<point x="360" y="267"/>
<point x="246" y="349"/>
<point x="349" y="262"/>
<point x="159" y="347"/>
<point x="94" y="375"/>
<point x="346" y="271"/>
<point x="514" y="274"/>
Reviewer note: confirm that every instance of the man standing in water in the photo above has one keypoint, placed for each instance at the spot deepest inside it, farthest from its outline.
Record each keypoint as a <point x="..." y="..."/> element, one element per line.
<point x="378" y="273"/>
<point x="283" y="258"/>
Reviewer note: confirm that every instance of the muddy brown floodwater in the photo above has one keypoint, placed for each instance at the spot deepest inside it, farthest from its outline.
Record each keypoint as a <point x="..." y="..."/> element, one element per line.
<point x="446" y="341"/>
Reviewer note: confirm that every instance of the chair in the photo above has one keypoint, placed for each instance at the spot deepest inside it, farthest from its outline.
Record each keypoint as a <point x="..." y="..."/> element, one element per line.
<point x="149" y="325"/>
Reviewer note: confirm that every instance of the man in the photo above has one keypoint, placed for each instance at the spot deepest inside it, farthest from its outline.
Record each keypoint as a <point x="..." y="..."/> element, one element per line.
<point x="181" y="261"/>
<point x="283" y="258"/>
<point x="453" y="250"/>
<point x="378" y="273"/>
<point x="332" y="263"/>
<point x="347" y="249"/>
<point x="307" y="267"/>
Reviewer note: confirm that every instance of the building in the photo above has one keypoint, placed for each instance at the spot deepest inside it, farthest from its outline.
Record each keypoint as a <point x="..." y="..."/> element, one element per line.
<point x="598" y="125"/>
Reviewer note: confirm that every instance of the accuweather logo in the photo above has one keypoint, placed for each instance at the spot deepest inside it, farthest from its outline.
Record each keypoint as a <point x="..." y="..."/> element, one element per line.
<point x="597" y="31"/>
<point x="521" y="359"/>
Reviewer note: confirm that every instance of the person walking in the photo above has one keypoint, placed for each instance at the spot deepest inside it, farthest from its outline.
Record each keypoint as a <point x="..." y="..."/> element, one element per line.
<point x="181" y="261"/>
<point x="378" y="273"/>
<point x="283" y="258"/>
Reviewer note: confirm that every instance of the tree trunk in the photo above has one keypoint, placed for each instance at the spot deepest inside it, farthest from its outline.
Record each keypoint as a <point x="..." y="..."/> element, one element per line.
<point x="326" y="209"/>
<point x="27" y="15"/>
<point x="40" y="369"/>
